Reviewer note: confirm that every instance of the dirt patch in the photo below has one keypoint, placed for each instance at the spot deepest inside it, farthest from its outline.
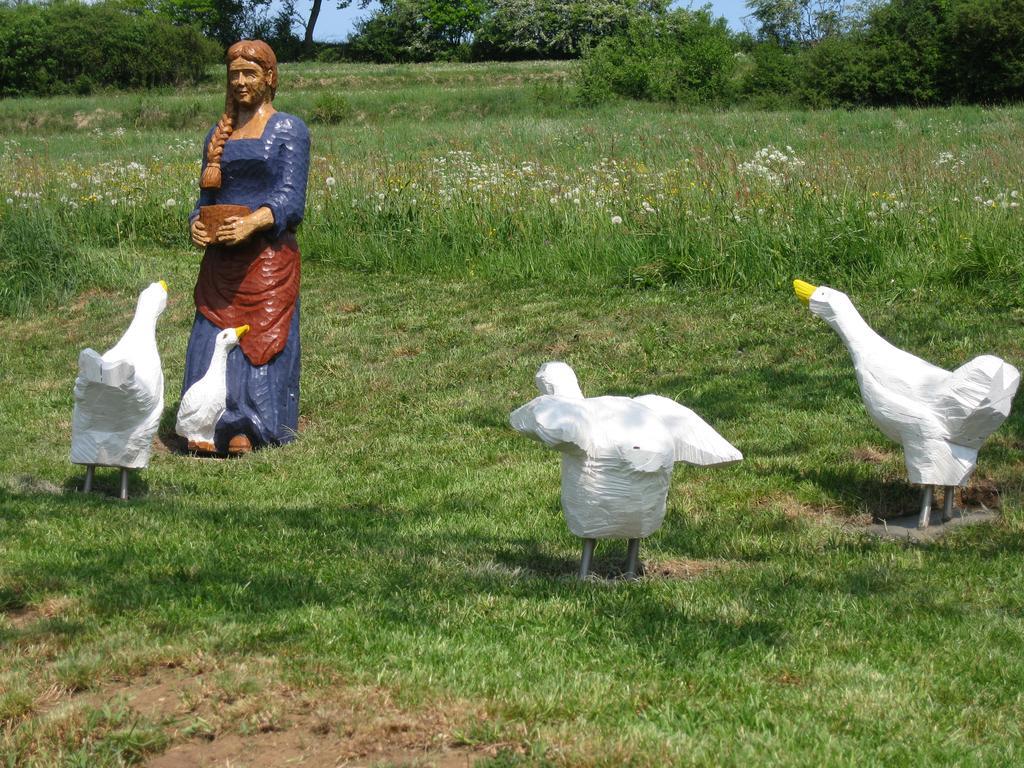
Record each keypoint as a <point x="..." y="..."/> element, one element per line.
<point x="683" y="568"/>
<point x="169" y="442"/>
<point x="25" y="616"/>
<point x="558" y="349"/>
<point x="788" y="678"/>
<point x="981" y="493"/>
<point x="29" y="484"/>
<point x="871" y="455"/>
<point x="794" y="509"/>
<point x="242" y="715"/>
<point x="85" y="120"/>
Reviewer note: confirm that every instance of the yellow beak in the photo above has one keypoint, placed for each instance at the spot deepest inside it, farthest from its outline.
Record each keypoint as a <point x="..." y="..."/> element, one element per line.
<point x="164" y="286"/>
<point x="241" y="330"/>
<point x="804" y="291"/>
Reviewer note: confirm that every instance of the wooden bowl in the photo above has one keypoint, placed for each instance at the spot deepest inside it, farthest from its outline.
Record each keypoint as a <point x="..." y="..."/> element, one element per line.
<point x="212" y="216"/>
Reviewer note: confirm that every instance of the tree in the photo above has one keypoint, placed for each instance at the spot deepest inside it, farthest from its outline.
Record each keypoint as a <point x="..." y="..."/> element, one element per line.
<point x="226" y="21"/>
<point x="556" y="28"/>
<point x="314" y="14"/>
<point x="985" y="43"/>
<point x="789" y="22"/>
<point x="418" y="30"/>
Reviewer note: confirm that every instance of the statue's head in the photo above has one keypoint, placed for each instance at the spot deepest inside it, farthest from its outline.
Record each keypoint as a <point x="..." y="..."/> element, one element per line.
<point x="252" y="72"/>
<point x="252" y="82"/>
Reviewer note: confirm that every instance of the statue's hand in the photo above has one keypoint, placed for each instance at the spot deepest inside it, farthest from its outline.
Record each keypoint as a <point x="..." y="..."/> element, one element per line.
<point x="200" y="238"/>
<point x="236" y="229"/>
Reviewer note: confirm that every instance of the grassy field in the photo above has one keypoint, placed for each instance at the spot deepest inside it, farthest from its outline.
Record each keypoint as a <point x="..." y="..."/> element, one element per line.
<point x="397" y="587"/>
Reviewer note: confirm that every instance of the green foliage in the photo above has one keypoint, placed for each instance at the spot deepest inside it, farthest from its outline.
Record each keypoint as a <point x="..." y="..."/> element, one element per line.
<point x="770" y="75"/>
<point x="797" y="22"/>
<point x="73" y="47"/>
<point x="985" y="44"/>
<point x="417" y="30"/>
<point x="836" y="72"/>
<point x="915" y="52"/>
<point x="684" y="56"/>
<point x="331" y="108"/>
<point x="904" y="48"/>
<point x="558" y="29"/>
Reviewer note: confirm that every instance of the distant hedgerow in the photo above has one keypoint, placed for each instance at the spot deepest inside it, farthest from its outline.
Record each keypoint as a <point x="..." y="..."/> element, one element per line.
<point x="73" y="47"/>
<point x="683" y="56"/>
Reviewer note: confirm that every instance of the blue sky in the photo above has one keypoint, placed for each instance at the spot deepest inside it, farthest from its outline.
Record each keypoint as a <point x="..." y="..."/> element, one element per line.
<point x="335" y="25"/>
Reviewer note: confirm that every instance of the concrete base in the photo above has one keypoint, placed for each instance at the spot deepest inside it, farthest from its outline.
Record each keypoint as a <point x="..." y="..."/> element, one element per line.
<point x="905" y="528"/>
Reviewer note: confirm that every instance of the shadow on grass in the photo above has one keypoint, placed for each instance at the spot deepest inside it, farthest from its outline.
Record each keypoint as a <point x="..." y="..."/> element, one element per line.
<point x="106" y="483"/>
<point x="733" y="395"/>
<point x="882" y="499"/>
<point x="169" y="439"/>
<point x="257" y="572"/>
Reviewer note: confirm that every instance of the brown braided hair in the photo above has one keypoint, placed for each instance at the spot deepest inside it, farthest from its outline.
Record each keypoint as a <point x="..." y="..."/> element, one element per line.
<point x="261" y="54"/>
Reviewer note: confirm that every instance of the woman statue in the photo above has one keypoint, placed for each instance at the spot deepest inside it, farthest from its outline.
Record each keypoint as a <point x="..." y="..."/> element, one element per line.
<point x="255" y="164"/>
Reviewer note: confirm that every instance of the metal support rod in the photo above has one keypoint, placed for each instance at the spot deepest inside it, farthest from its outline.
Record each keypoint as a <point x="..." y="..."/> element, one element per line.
<point x="588" y="555"/>
<point x="90" y="470"/>
<point x="947" y="503"/>
<point x="926" y="507"/>
<point x="632" y="558"/>
<point x="124" y="484"/>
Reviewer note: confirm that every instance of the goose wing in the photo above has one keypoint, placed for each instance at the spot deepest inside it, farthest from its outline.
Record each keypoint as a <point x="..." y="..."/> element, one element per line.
<point x="558" y="422"/>
<point x="200" y="409"/>
<point x="111" y="390"/>
<point x="696" y="442"/>
<point x="976" y="399"/>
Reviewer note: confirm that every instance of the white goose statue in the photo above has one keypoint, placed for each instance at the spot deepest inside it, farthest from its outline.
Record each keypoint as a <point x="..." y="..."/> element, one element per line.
<point x="617" y="456"/>
<point x="206" y="400"/>
<point x="119" y="396"/>
<point x="940" y="417"/>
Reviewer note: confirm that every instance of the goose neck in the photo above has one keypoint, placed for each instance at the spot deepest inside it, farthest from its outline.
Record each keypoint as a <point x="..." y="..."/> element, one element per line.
<point x="852" y="329"/>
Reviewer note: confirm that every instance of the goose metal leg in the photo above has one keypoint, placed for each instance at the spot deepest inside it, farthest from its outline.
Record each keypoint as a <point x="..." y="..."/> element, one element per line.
<point x="124" y="484"/>
<point x="947" y="503"/>
<point x="90" y="470"/>
<point x="632" y="557"/>
<point x="588" y="555"/>
<point x="926" y="507"/>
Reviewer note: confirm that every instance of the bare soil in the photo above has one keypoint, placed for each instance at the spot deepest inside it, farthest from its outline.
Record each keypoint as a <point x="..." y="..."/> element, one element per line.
<point x="243" y="717"/>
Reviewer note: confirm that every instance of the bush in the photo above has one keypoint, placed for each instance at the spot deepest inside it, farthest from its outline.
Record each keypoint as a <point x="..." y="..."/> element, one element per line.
<point x="770" y="79"/>
<point x="554" y="29"/>
<point x="683" y="56"/>
<point x="72" y="47"/>
<point x="985" y="42"/>
<point x="834" y="73"/>
<point x="330" y="109"/>
<point x="905" y="52"/>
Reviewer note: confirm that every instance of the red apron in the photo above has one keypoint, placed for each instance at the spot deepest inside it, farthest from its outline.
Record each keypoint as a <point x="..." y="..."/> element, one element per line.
<point x="254" y="283"/>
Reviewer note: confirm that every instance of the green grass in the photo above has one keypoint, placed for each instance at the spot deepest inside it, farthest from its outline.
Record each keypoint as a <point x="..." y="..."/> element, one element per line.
<point x="491" y="171"/>
<point x="411" y="541"/>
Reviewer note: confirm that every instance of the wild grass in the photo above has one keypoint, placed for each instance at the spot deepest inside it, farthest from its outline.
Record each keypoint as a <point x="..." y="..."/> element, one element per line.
<point x="410" y="542"/>
<point x="504" y="178"/>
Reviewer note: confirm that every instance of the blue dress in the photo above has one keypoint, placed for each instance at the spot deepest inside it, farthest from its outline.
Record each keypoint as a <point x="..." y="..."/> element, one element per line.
<point x="255" y="283"/>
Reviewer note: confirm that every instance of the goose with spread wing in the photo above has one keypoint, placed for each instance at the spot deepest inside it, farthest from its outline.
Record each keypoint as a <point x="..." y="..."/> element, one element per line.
<point x="617" y="456"/>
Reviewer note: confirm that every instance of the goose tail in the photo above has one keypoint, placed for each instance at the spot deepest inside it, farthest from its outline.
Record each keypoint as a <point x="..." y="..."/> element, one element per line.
<point x="978" y="399"/>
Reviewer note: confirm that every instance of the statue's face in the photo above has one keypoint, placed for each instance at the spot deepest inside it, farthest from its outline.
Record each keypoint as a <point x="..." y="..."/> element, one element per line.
<point x="250" y="84"/>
